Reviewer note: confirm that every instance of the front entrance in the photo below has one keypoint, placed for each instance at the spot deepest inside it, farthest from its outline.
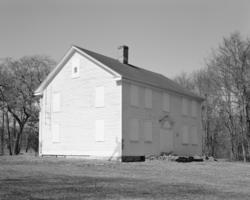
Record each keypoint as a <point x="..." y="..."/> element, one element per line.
<point x="166" y="140"/>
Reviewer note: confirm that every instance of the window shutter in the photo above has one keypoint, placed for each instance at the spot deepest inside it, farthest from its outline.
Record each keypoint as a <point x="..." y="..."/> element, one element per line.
<point x="185" y="135"/>
<point x="166" y="102"/>
<point x="194" y="109"/>
<point x="148" y="129"/>
<point x="99" y="96"/>
<point x="99" y="130"/>
<point x="194" y="135"/>
<point x="134" y="129"/>
<point x="148" y="98"/>
<point x="184" y="106"/>
<point x="55" y="132"/>
<point x="56" y="102"/>
<point x="134" y="96"/>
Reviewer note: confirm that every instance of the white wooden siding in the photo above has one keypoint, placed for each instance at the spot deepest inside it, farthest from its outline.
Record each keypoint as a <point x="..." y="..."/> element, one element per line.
<point x="55" y="132"/>
<point x="99" y="96"/>
<point x="99" y="130"/>
<point x="78" y="112"/>
<point x="56" y="102"/>
<point x="171" y="130"/>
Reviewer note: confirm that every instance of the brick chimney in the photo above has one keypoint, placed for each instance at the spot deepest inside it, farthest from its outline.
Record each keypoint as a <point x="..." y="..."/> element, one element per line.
<point x="123" y="54"/>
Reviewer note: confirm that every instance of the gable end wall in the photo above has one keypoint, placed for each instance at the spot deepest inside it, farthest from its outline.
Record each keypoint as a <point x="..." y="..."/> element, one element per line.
<point x="78" y="112"/>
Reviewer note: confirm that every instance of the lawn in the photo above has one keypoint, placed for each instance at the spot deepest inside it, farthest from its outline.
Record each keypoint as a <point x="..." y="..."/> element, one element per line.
<point x="27" y="177"/>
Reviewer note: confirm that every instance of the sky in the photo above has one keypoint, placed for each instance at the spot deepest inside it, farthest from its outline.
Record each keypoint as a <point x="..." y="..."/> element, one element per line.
<point x="165" y="36"/>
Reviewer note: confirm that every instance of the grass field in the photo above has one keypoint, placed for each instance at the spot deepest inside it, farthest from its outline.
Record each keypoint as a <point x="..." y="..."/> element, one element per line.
<point x="26" y="177"/>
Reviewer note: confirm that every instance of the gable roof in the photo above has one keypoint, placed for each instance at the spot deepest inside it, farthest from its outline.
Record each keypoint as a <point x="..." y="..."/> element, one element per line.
<point x="129" y="72"/>
<point x="138" y="74"/>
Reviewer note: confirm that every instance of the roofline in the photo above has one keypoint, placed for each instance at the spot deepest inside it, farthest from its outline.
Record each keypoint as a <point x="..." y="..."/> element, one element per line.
<point x="55" y="71"/>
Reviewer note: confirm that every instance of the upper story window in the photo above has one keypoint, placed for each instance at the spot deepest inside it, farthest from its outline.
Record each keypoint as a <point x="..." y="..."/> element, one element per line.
<point x="75" y="67"/>
<point x="194" y="109"/>
<point x="166" y="102"/>
<point x="184" y="106"/>
<point x="134" y="129"/>
<point x="148" y="98"/>
<point x="99" y="96"/>
<point x="56" y="102"/>
<point x="134" y="96"/>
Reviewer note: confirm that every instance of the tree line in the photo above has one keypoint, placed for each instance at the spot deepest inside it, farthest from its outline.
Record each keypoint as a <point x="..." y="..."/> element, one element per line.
<point x="224" y="82"/>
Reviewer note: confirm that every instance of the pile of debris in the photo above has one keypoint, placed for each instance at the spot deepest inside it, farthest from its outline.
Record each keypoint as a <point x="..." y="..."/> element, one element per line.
<point x="189" y="159"/>
<point x="183" y="159"/>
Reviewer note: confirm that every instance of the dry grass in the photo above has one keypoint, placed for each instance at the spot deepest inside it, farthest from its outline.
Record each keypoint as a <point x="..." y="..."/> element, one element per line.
<point x="26" y="177"/>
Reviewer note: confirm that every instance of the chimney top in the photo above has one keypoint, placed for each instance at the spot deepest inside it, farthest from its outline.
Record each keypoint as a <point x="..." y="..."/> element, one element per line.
<point x="123" y="54"/>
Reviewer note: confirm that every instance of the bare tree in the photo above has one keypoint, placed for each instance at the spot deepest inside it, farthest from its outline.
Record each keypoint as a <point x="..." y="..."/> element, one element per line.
<point x="18" y="80"/>
<point x="225" y="84"/>
<point x="2" y="131"/>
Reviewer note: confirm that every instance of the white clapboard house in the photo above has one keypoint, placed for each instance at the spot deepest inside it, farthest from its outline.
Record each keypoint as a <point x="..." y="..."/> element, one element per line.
<point x="97" y="106"/>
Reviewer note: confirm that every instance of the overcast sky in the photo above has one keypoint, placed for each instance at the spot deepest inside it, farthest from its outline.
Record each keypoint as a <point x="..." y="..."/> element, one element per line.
<point x="168" y="36"/>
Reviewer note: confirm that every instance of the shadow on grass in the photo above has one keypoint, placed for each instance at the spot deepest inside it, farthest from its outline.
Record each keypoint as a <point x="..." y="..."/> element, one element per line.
<point x="64" y="187"/>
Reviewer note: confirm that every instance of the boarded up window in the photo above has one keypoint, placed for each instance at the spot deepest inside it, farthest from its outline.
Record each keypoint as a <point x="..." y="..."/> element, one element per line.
<point x="55" y="132"/>
<point x="75" y="67"/>
<point x="99" y="96"/>
<point x="134" y="130"/>
<point x="99" y="130"/>
<point x="184" y="106"/>
<point x="194" y="109"/>
<point x="56" y="102"/>
<point x="194" y="134"/>
<point x="185" y="135"/>
<point x="148" y="98"/>
<point x="148" y="129"/>
<point x="166" y="102"/>
<point x="134" y="96"/>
